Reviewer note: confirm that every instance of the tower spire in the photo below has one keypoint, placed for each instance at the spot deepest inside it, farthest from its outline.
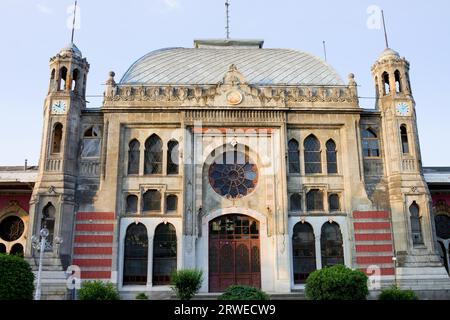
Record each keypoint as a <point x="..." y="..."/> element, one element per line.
<point x="384" y="28"/>
<point x="74" y="20"/>
<point x="227" y="27"/>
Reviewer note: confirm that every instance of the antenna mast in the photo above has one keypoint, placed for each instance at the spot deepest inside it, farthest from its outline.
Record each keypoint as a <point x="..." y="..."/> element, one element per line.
<point x="74" y="19"/>
<point x="385" y="32"/>
<point x="227" y="28"/>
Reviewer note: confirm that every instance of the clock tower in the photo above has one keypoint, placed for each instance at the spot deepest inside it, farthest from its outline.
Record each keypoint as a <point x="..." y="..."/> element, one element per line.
<point x="409" y="197"/>
<point x="53" y="201"/>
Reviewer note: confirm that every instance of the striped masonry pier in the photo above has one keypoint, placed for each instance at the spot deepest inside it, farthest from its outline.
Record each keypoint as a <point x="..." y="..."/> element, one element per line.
<point x="93" y="243"/>
<point x="374" y="242"/>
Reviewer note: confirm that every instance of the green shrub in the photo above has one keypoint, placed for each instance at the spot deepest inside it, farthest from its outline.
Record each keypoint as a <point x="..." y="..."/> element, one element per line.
<point x="186" y="283"/>
<point x="337" y="283"/>
<point x="16" y="278"/>
<point x="243" y="293"/>
<point x="97" y="290"/>
<point x="394" y="293"/>
<point x="141" y="296"/>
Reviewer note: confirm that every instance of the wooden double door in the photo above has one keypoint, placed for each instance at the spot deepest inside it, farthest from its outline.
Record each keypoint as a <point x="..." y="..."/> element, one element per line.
<point x="234" y="252"/>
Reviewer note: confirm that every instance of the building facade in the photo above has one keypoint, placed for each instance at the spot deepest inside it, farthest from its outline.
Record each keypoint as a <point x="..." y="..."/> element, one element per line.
<point x="254" y="165"/>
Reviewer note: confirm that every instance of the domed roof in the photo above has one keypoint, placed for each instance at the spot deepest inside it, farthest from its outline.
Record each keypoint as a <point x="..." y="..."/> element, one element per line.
<point x="71" y="48"/>
<point x="388" y="52"/>
<point x="208" y="64"/>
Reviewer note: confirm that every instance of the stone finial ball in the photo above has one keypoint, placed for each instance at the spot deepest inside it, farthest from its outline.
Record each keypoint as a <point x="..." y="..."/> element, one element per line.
<point x="112" y="74"/>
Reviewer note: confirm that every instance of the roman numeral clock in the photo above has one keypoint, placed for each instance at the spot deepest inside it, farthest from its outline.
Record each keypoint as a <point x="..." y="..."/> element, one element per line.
<point x="59" y="107"/>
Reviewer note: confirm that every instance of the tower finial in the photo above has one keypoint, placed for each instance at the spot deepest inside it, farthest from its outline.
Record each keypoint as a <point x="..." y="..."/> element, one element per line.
<point x="227" y="28"/>
<point x="385" y="32"/>
<point x="74" y="20"/>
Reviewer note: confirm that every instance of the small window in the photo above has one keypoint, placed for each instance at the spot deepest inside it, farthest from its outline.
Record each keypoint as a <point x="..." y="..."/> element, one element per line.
<point x="48" y="221"/>
<point x="313" y="162"/>
<point x="295" y="202"/>
<point x="416" y="225"/>
<point x="294" y="156"/>
<point x="371" y="144"/>
<point x="314" y="200"/>
<point x="172" y="157"/>
<point x="405" y="144"/>
<point x="172" y="203"/>
<point x="334" y="203"/>
<point x="331" y="157"/>
<point x="63" y="79"/>
<point x="57" y="138"/>
<point x="132" y="204"/>
<point x="74" y="84"/>
<point x="152" y="200"/>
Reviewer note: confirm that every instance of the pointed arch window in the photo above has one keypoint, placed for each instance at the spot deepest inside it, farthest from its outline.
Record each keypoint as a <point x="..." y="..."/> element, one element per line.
<point x="303" y="252"/>
<point x="398" y="83"/>
<point x="62" y="85"/>
<point x="172" y="157"/>
<point x="313" y="162"/>
<point x="404" y="136"/>
<point x="152" y="200"/>
<point x="134" y="155"/>
<point x="416" y="224"/>
<point x="386" y="84"/>
<point x="164" y="253"/>
<point x="371" y="143"/>
<point x="48" y="221"/>
<point x="294" y="156"/>
<point x="331" y="157"/>
<point x="75" y="80"/>
<point x="314" y="200"/>
<point x="135" y="255"/>
<point x="331" y="245"/>
<point x="153" y="155"/>
<point x="57" y="138"/>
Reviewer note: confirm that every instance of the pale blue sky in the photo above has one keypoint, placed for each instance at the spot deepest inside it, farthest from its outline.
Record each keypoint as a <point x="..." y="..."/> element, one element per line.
<point x="113" y="34"/>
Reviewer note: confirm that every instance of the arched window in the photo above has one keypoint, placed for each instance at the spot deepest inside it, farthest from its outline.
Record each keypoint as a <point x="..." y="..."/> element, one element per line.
<point x="172" y="203"/>
<point x="172" y="157"/>
<point x="91" y="143"/>
<point x="17" y="250"/>
<point x="153" y="155"/>
<point x="313" y="162"/>
<point x="371" y="144"/>
<point x="314" y="200"/>
<point x="295" y="202"/>
<point x="405" y="144"/>
<point x="416" y="225"/>
<point x="331" y="245"/>
<point x="48" y="221"/>
<point x="398" y="83"/>
<point x="2" y="248"/>
<point x="331" y="157"/>
<point x="62" y="79"/>
<point x="152" y="200"/>
<point x="334" y="203"/>
<point x="52" y="80"/>
<point x="132" y="204"/>
<point x="57" y="138"/>
<point x="293" y="156"/>
<point x="74" y="84"/>
<point x="134" y="155"/>
<point x="135" y="255"/>
<point x="303" y="252"/>
<point x="386" y="84"/>
<point x="164" y="253"/>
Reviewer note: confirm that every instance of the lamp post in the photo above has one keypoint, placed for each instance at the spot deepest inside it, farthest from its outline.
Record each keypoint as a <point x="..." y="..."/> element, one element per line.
<point x="41" y="246"/>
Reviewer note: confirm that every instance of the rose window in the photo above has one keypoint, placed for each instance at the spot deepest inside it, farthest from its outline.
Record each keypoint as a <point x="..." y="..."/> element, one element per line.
<point x="233" y="175"/>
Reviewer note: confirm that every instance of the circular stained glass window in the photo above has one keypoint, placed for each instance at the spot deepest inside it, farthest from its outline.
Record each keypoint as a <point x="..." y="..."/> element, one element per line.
<point x="233" y="175"/>
<point x="11" y="228"/>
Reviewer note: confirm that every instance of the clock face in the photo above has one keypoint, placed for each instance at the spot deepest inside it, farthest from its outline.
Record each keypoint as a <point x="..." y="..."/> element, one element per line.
<point x="59" y="107"/>
<point x="403" y="109"/>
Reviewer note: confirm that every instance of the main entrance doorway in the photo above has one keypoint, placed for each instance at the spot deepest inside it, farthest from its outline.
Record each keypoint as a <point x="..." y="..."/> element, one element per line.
<point x="234" y="252"/>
